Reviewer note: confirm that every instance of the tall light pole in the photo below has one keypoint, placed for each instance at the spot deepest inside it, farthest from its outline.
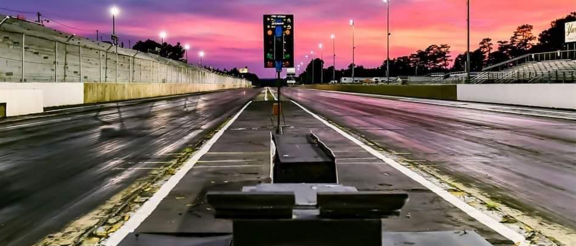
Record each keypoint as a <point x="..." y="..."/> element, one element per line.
<point x="468" y="44"/>
<point x="163" y="36"/>
<point x="333" y="37"/>
<point x="201" y="54"/>
<point x="186" y="48"/>
<point x="320" y="46"/>
<point x="353" y="49"/>
<point x="387" y="40"/>
<point x="115" y="11"/>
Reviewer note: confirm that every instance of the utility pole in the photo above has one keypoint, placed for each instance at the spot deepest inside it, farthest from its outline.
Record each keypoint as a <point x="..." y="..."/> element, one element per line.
<point x="388" y="41"/>
<point x="321" y="63"/>
<point x="468" y="44"/>
<point x="333" y="57"/>
<point x="39" y="16"/>
<point x="353" y="49"/>
<point x="97" y="35"/>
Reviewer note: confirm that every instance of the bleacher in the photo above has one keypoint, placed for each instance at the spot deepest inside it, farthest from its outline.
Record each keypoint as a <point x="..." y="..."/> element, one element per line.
<point x="543" y="71"/>
<point x="549" y="67"/>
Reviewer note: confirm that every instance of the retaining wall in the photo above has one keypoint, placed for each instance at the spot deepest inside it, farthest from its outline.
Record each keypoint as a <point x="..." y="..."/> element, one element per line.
<point x="561" y="96"/>
<point x="67" y="70"/>
<point x="106" y="92"/>
<point x="539" y="95"/>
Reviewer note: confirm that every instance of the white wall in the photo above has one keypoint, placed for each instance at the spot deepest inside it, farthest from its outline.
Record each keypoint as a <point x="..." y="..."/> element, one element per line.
<point x="539" y="95"/>
<point x="21" y="102"/>
<point x="54" y="94"/>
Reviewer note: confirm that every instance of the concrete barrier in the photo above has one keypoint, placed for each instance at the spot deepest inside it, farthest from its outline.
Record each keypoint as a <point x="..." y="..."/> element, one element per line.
<point x="107" y="92"/>
<point x="54" y="94"/>
<point x="20" y="102"/>
<point x="561" y="96"/>
<point x="442" y="92"/>
<point x="65" y="69"/>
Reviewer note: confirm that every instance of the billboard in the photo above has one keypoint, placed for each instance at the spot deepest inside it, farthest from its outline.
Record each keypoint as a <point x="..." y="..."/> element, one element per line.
<point x="283" y="42"/>
<point x="570" y="32"/>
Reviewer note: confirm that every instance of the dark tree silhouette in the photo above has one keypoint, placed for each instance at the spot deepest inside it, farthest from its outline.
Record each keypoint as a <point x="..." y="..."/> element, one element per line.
<point x="552" y="39"/>
<point x="169" y="51"/>
<point x="486" y="47"/>
<point x="436" y="58"/>
<point x="522" y="40"/>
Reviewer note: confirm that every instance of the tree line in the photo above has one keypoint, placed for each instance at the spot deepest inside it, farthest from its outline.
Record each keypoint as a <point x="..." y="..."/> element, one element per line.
<point x="437" y="57"/>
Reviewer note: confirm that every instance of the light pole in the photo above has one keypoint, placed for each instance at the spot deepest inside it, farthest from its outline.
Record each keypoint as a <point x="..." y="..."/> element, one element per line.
<point x="333" y="37"/>
<point x="468" y="44"/>
<point x="387" y="40"/>
<point x="163" y="36"/>
<point x="186" y="48"/>
<point x="320" y="46"/>
<point x="201" y="54"/>
<point x="353" y="49"/>
<point x="115" y="11"/>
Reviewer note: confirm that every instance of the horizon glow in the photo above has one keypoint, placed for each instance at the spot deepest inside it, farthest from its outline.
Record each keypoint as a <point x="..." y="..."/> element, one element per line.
<point x="232" y="30"/>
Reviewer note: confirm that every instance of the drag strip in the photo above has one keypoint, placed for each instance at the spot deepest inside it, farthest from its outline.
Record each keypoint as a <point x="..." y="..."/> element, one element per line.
<point x="526" y="162"/>
<point x="57" y="168"/>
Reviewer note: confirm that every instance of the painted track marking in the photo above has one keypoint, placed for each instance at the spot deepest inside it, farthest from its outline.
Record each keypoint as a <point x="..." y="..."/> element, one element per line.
<point x="150" y="205"/>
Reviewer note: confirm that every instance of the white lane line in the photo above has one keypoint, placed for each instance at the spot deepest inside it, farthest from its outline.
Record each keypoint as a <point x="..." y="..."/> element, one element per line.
<point x="266" y="94"/>
<point x="155" y="200"/>
<point x="493" y="224"/>
<point x="272" y="93"/>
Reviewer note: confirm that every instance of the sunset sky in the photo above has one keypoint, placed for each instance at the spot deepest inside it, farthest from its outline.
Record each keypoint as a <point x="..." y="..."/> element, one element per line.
<point x="230" y="31"/>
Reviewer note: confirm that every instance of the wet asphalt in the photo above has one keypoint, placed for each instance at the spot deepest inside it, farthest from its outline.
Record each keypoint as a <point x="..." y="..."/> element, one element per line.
<point x="57" y="168"/>
<point x="527" y="162"/>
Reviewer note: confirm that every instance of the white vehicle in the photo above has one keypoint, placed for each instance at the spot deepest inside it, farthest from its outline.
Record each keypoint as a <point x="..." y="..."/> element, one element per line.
<point x="291" y="81"/>
<point x="334" y="82"/>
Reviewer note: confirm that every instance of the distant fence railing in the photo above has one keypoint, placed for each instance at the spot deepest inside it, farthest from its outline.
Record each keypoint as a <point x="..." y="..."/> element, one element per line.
<point x="32" y="53"/>
<point x="525" y="77"/>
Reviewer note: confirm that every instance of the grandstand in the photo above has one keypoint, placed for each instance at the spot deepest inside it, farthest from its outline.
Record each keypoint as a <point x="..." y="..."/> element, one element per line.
<point x="547" y="67"/>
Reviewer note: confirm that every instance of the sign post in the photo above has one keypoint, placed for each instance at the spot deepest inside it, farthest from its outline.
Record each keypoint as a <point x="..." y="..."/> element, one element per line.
<point x="279" y="49"/>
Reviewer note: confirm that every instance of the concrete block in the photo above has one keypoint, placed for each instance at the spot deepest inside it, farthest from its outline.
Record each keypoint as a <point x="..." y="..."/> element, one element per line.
<point x="22" y="102"/>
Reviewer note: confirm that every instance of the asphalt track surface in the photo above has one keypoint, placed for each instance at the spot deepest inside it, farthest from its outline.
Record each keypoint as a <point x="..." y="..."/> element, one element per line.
<point x="241" y="157"/>
<point x="56" y="168"/>
<point x="527" y="162"/>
